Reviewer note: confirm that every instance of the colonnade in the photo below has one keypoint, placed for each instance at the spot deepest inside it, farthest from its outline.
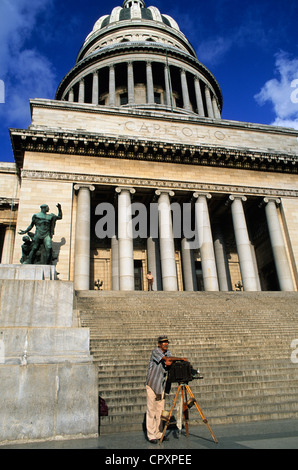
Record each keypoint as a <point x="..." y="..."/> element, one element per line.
<point x="162" y="251"/>
<point x="205" y="104"/>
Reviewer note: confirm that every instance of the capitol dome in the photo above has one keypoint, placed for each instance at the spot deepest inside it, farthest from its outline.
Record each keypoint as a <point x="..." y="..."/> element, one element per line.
<point x="137" y="57"/>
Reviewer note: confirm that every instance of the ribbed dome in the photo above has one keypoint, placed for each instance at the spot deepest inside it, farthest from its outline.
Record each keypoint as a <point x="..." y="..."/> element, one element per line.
<point x="137" y="58"/>
<point x="135" y="10"/>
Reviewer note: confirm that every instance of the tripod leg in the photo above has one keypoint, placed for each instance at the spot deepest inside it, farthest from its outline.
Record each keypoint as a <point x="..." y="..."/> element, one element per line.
<point x="170" y="414"/>
<point x="185" y="409"/>
<point x="201" y="413"/>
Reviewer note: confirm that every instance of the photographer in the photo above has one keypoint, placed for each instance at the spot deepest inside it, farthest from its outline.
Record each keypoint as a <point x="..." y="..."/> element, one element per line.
<point x="160" y="359"/>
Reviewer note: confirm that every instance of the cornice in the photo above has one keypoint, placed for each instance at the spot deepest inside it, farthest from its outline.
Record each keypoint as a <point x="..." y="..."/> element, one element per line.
<point x="98" y="146"/>
<point x="154" y="183"/>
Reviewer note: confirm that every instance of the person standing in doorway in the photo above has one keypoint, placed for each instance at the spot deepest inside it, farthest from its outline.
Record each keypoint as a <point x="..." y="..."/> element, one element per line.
<point x="150" y="281"/>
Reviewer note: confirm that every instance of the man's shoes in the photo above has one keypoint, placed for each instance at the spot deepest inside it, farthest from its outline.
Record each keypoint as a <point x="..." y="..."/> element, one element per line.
<point x="153" y="441"/>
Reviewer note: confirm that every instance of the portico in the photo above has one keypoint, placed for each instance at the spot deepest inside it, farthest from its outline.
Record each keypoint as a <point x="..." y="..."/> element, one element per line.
<point x="202" y="241"/>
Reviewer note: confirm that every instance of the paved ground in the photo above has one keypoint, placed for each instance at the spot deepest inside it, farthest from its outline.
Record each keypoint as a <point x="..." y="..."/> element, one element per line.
<point x="274" y="434"/>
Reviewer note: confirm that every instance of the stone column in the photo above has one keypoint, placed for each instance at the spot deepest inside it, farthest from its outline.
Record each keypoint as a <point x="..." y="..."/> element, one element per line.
<point x="112" y="86"/>
<point x="204" y="234"/>
<point x="199" y="97"/>
<point x="208" y="102"/>
<point x="169" y="99"/>
<point x="247" y="267"/>
<point x="153" y="262"/>
<point x="130" y="83"/>
<point x="82" y="237"/>
<point x="95" y="88"/>
<point x="125" y="239"/>
<point x="224" y="278"/>
<point x="150" y="86"/>
<point x="188" y="265"/>
<point x="216" y="112"/>
<point x="115" y="263"/>
<point x="8" y="245"/>
<point x="71" y="96"/>
<point x="282" y="264"/>
<point x="82" y="91"/>
<point x="185" y="93"/>
<point x="166" y="241"/>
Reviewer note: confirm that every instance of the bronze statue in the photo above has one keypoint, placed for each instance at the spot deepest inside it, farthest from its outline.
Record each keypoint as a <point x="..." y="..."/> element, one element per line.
<point x="42" y="239"/>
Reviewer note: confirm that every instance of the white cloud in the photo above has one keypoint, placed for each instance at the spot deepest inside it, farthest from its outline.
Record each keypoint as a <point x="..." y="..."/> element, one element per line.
<point x="281" y="92"/>
<point x="24" y="70"/>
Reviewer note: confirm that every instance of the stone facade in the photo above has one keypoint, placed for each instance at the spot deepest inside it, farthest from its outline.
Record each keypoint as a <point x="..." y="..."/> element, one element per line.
<point x="137" y="121"/>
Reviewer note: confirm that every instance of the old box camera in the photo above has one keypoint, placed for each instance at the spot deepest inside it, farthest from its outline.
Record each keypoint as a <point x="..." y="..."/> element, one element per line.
<point x="180" y="371"/>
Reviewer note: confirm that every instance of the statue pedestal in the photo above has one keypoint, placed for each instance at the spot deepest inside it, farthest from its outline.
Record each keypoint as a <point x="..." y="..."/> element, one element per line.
<point x="48" y="382"/>
<point x="33" y="272"/>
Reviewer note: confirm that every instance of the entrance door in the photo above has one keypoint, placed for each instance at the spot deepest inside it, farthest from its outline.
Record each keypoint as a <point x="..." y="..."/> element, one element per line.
<point x="138" y="275"/>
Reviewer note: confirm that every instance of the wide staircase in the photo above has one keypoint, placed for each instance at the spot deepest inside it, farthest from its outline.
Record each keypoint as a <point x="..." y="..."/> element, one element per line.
<point x="241" y="342"/>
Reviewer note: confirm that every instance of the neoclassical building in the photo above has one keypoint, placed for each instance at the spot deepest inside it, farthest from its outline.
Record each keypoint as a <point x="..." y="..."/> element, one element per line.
<point x="149" y="177"/>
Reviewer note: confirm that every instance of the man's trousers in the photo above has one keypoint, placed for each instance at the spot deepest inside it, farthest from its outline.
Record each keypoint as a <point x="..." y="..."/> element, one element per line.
<point x="153" y="416"/>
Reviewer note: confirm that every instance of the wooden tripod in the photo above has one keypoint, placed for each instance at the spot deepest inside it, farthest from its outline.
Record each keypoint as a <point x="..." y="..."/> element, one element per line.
<point x="186" y="404"/>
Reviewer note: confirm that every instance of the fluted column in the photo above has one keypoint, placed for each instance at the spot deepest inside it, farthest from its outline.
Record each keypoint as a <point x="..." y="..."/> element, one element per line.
<point x="247" y="267"/>
<point x="166" y="241"/>
<point x="169" y="99"/>
<point x="208" y="102"/>
<point x="130" y="83"/>
<point x="125" y="239"/>
<point x="278" y="246"/>
<point x="82" y="237"/>
<point x="204" y="234"/>
<point x="185" y="93"/>
<point x="150" y="86"/>
<point x="95" y="88"/>
<point x="112" y="86"/>
<point x="199" y="97"/>
<point x="82" y="91"/>
<point x="7" y="250"/>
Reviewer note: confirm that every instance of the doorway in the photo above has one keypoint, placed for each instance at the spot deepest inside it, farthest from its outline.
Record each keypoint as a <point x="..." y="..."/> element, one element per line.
<point x="138" y="272"/>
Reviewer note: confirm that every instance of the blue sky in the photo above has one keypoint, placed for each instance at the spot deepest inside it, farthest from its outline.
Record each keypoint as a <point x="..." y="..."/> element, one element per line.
<point x="251" y="46"/>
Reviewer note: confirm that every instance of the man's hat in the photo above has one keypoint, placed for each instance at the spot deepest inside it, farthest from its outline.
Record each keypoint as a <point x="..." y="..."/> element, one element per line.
<point x="162" y="339"/>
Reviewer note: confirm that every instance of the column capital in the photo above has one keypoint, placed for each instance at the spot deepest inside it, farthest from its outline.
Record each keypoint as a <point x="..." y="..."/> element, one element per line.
<point x="119" y="189"/>
<point x="276" y="200"/>
<point x="78" y="186"/>
<point x="232" y="197"/>
<point x="196" y="195"/>
<point x="159" y="192"/>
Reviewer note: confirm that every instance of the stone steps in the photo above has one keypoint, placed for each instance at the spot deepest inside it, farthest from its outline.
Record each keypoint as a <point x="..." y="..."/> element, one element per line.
<point x="240" y="341"/>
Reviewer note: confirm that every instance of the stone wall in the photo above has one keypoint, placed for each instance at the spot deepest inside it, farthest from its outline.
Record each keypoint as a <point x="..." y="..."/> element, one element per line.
<point x="48" y="382"/>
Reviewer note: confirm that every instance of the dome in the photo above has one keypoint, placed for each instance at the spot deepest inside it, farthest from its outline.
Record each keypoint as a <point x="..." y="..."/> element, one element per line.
<point x="137" y="58"/>
<point x="135" y="10"/>
<point x="134" y="14"/>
